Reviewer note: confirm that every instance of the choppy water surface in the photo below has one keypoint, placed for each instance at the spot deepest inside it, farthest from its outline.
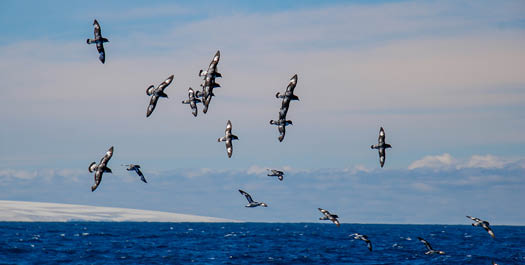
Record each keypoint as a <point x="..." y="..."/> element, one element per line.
<point x="254" y="243"/>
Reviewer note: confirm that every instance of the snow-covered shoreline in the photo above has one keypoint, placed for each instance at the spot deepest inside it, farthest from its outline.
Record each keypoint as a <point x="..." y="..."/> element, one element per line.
<point x="22" y="211"/>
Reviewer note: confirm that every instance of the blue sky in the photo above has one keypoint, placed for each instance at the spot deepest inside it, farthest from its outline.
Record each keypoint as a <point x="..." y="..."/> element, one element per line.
<point x="442" y="77"/>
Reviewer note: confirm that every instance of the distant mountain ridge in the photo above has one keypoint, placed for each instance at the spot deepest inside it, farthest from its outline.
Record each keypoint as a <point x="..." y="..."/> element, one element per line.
<point x="22" y="211"/>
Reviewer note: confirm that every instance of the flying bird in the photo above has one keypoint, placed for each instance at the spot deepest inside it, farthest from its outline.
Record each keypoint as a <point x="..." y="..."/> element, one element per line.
<point x="381" y="146"/>
<point x="136" y="168"/>
<point x="329" y="216"/>
<point x="484" y="224"/>
<point x="288" y="96"/>
<point x="276" y="173"/>
<point x="429" y="247"/>
<point x="209" y="83"/>
<point x="364" y="238"/>
<point x="228" y="138"/>
<point x="251" y="202"/>
<point x="99" y="41"/>
<point x="100" y="168"/>
<point x="157" y="93"/>
<point x="192" y="100"/>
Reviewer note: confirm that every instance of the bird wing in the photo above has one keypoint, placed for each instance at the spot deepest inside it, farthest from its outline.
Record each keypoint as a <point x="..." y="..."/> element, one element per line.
<point x="382" y="156"/>
<point x="325" y="212"/>
<point x="474" y="219"/>
<point x="166" y="83"/>
<point x="368" y="244"/>
<point x="98" y="178"/>
<point x="228" y="130"/>
<point x="282" y="132"/>
<point x="96" y="27"/>
<point x="291" y="86"/>
<point x="140" y="174"/>
<point x="429" y="247"/>
<point x="335" y="221"/>
<point x="248" y="197"/>
<point x="229" y="147"/>
<point x="488" y="229"/>
<point x="381" y="138"/>
<point x="101" y="52"/>
<point x="152" y="104"/>
<point x="104" y="161"/>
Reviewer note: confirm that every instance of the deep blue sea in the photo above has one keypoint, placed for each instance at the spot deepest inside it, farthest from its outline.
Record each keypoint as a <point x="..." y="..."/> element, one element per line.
<point x="254" y="243"/>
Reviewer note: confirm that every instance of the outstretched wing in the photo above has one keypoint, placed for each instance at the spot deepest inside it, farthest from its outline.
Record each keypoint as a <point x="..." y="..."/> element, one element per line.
<point x="166" y="83"/>
<point x="282" y="132"/>
<point x="228" y="130"/>
<point x="104" y="161"/>
<point x="98" y="178"/>
<point x="474" y="219"/>
<point x="429" y="247"/>
<point x="325" y="212"/>
<point x="101" y="52"/>
<point x="248" y="197"/>
<point x="368" y="243"/>
<point x="140" y="174"/>
<point x="229" y="147"/>
<point x="382" y="156"/>
<point x="488" y="229"/>
<point x="152" y="104"/>
<point x="291" y="86"/>
<point x="381" y="138"/>
<point x="96" y="27"/>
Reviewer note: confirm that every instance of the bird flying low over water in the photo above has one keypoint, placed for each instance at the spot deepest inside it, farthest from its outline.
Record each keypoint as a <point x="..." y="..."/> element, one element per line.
<point x="381" y="146"/>
<point x="329" y="216"/>
<point x="364" y="238"/>
<point x="276" y="173"/>
<point x="100" y="168"/>
<point x="157" y="93"/>
<point x="228" y="138"/>
<point x="429" y="247"/>
<point x="136" y="168"/>
<point x="484" y="224"/>
<point x="209" y="83"/>
<point x="192" y="100"/>
<point x="99" y="41"/>
<point x="251" y="202"/>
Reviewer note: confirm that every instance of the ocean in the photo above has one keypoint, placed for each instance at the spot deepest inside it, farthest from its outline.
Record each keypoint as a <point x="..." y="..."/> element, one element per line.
<point x="254" y="243"/>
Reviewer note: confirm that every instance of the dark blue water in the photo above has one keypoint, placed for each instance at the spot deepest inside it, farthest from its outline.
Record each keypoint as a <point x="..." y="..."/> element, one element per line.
<point x="253" y="243"/>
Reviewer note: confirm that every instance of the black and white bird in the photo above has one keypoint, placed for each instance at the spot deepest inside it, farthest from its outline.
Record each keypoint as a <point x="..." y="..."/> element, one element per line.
<point x="329" y="216"/>
<point x="381" y="146"/>
<point x="429" y="247"/>
<point x="136" y="168"/>
<point x="192" y="100"/>
<point x="484" y="224"/>
<point x="157" y="93"/>
<point x="228" y="138"/>
<point x="276" y="173"/>
<point x="251" y="202"/>
<point x="364" y="238"/>
<point x="288" y="96"/>
<point x="209" y="83"/>
<point x="100" y="168"/>
<point x="99" y="41"/>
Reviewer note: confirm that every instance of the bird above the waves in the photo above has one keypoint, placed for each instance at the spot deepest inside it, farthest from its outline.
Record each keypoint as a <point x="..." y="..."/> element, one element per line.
<point x="99" y="41"/>
<point x="381" y="146"/>
<point x="100" y="168"/>
<point x="251" y="202"/>
<point x="429" y="247"/>
<point x="484" y="224"/>
<point x="228" y="138"/>
<point x="276" y="173"/>
<point x="329" y="216"/>
<point x="136" y="168"/>
<point x="157" y="93"/>
<point x="192" y="100"/>
<point x="364" y="238"/>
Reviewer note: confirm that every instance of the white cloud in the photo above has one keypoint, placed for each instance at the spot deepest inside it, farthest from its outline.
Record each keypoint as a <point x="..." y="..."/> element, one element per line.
<point x="485" y="161"/>
<point x="18" y="174"/>
<point x="434" y="162"/>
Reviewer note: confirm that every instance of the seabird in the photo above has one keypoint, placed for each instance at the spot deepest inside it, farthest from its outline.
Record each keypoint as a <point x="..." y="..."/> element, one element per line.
<point x="484" y="224"/>
<point x="99" y="41"/>
<point x="381" y="146"/>
<point x="429" y="247"/>
<point x="157" y="93"/>
<point x="192" y="100"/>
<point x="251" y="202"/>
<point x="285" y="105"/>
<point x="209" y="82"/>
<point x="364" y="238"/>
<point x="228" y="137"/>
<point x="329" y="216"/>
<point x="136" y="168"/>
<point x="276" y="173"/>
<point x="100" y="168"/>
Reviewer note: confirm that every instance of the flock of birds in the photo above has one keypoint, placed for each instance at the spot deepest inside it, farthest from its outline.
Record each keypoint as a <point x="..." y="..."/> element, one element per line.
<point x="204" y="96"/>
